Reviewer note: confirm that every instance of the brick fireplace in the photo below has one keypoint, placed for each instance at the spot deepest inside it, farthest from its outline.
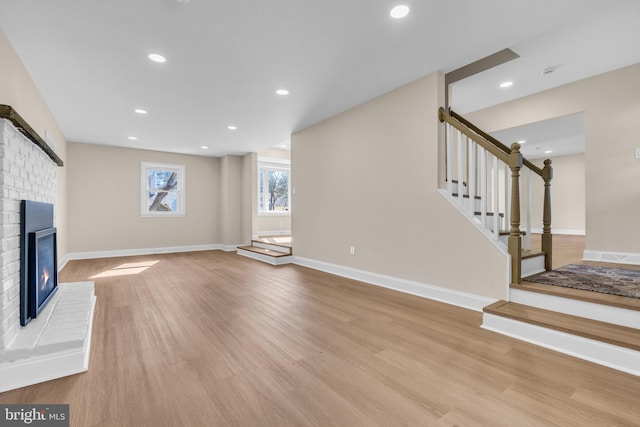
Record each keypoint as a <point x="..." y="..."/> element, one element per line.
<point x="26" y="173"/>
<point x="58" y="341"/>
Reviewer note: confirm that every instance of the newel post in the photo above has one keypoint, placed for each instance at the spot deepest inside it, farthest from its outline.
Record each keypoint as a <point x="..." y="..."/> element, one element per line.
<point x="547" y="237"/>
<point x="515" y="239"/>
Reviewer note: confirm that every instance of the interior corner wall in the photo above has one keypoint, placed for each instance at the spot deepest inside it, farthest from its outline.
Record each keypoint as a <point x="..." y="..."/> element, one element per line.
<point x="611" y="106"/>
<point x="104" y="201"/>
<point x="231" y="200"/>
<point x="368" y="178"/>
<point x="18" y="90"/>
<point x="248" y="201"/>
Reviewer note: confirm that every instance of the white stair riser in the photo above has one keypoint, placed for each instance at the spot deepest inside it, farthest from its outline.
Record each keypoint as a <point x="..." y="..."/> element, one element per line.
<point x="620" y="358"/>
<point x="488" y="222"/>
<point x="533" y="265"/>
<point x="265" y="258"/>
<point x="464" y="202"/>
<point x="589" y="310"/>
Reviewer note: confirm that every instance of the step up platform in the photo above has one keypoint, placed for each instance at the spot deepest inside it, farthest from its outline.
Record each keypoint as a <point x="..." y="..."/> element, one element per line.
<point x="604" y="343"/>
<point x="268" y="251"/>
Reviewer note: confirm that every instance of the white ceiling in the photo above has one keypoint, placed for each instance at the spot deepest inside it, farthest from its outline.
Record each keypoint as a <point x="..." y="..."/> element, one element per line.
<point x="561" y="135"/>
<point x="225" y="59"/>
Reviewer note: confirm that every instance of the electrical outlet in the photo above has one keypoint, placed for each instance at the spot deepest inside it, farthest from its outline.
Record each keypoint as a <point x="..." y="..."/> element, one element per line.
<point x="637" y="152"/>
<point x="352" y="250"/>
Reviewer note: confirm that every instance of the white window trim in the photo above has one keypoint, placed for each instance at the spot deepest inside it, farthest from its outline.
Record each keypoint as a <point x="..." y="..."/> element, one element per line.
<point x="275" y="163"/>
<point x="144" y="191"/>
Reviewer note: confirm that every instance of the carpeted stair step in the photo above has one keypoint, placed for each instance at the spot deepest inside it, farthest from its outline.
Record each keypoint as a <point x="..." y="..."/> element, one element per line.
<point x="617" y="335"/>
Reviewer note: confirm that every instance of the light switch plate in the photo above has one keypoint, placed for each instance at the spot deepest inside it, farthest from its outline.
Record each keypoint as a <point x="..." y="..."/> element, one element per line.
<point x="637" y="152"/>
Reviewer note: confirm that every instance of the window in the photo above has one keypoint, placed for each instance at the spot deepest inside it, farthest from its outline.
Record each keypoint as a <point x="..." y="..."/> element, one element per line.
<point x="273" y="188"/>
<point x="162" y="191"/>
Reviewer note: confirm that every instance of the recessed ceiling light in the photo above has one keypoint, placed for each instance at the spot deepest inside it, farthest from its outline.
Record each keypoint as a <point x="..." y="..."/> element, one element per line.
<point x="522" y="141"/>
<point x="282" y="92"/>
<point x="506" y="84"/>
<point x="140" y="111"/>
<point x="399" y="11"/>
<point x="548" y="70"/>
<point x="133" y="138"/>
<point x="232" y="127"/>
<point x="156" y="57"/>
<point x="548" y="152"/>
<point x="283" y="146"/>
<point x="204" y="147"/>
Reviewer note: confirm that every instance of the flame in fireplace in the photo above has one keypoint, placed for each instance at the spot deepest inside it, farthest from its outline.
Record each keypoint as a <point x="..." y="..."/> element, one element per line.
<point x="44" y="279"/>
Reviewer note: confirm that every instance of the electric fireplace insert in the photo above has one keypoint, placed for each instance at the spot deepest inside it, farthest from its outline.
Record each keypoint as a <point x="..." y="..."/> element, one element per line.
<point x="38" y="258"/>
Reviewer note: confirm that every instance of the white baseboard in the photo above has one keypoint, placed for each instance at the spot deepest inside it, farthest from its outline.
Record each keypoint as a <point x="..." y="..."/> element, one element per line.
<point x="566" y="231"/>
<point x="457" y="298"/>
<point x="265" y="258"/>
<point x="144" y="251"/>
<point x="38" y="369"/>
<point x="612" y="356"/>
<point x="612" y="257"/>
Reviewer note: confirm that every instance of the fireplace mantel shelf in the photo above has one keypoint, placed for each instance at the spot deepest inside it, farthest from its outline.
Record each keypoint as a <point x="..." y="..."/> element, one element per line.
<point x="7" y="112"/>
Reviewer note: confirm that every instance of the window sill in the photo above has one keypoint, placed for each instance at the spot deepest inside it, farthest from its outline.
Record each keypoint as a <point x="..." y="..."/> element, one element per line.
<point x="274" y="214"/>
<point x="163" y="215"/>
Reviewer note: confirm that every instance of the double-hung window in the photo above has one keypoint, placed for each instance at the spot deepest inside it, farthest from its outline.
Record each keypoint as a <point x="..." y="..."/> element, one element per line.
<point x="274" y="195"/>
<point x="162" y="191"/>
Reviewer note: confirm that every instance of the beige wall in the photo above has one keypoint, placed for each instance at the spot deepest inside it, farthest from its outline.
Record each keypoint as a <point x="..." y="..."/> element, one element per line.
<point x="104" y="200"/>
<point x="368" y="178"/>
<point x="230" y="200"/>
<point x="248" y="200"/>
<point x="611" y="106"/>
<point x="18" y="90"/>
<point x="567" y="195"/>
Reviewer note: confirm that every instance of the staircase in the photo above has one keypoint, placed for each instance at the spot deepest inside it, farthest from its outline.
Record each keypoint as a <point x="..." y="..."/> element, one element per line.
<point x="274" y="250"/>
<point x="483" y="182"/>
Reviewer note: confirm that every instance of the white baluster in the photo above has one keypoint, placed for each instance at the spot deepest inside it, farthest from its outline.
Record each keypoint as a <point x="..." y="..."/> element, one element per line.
<point x="472" y="176"/>
<point x="496" y="198"/>
<point x="460" y="168"/>
<point x="448" y="155"/>
<point x="527" y="198"/>
<point x="507" y="197"/>
<point x="483" y="185"/>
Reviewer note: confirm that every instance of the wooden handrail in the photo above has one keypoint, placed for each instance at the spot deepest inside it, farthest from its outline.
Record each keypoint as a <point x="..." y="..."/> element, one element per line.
<point x="493" y="140"/>
<point x="475" y="136"/>
<point x="512" y="157"/>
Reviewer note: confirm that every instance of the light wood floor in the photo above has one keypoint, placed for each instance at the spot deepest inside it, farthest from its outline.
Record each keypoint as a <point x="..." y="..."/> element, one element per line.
<point x="216" y="339"/>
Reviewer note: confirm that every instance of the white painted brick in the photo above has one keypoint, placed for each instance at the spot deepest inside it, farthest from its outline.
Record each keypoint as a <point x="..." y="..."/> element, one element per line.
<point x="26" y="172"/>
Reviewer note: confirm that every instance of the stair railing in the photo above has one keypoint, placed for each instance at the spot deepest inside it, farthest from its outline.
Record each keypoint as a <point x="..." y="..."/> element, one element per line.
<point x="481" y="158"/>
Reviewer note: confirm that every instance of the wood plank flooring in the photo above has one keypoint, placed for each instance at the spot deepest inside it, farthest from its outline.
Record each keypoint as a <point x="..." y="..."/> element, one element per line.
<point x="215" y="339"/>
